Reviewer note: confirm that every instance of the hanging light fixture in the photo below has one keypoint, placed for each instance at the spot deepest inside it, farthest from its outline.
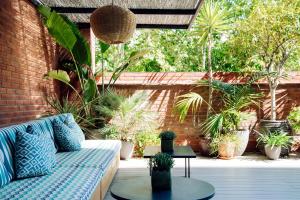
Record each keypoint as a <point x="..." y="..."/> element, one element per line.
<point x="113" y="24"/>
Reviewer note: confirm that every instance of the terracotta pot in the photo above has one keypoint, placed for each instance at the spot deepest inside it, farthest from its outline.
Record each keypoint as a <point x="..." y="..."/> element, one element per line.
<point x="226" y="150"/>
<point x="126" y="150"/>
<point x="273" y="153"/>
<point x="243" y="137"/>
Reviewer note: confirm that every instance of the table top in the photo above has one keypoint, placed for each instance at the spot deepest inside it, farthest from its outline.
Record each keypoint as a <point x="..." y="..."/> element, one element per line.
<point x="182" y="188"/>
<point x="179" y="152"/>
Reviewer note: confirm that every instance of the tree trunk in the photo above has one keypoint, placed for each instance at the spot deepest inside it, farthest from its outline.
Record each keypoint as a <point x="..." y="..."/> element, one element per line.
<point x="210" y="75"/>
<point x="273" y="101"/>
<point x="203" y="56"/>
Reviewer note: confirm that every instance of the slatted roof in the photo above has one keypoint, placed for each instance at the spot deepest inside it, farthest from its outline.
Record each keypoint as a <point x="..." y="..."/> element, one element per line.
<point x="175" y="14"/>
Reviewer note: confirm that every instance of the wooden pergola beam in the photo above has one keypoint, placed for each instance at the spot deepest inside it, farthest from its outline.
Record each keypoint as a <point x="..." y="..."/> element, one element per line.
<point x="141" y="26"/>
<point x="145" y="11"/>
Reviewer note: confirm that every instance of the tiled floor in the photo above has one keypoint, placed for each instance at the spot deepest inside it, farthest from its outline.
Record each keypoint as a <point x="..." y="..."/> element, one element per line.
<point x="246" y="177"/>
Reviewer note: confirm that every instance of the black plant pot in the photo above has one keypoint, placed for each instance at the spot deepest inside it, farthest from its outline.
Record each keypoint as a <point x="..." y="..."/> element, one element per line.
<point x="161" y="180"/>
<point x="166" y="146"/>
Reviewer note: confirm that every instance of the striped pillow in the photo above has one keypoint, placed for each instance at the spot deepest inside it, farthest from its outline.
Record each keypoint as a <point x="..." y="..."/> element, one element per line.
<point x="6" y="158"/>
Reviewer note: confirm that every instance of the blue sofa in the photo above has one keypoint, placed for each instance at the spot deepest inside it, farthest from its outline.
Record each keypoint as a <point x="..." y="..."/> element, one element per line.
<point x="84" y="174"/>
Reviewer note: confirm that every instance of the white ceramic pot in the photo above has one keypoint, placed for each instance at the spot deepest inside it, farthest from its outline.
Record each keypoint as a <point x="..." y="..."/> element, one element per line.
<point x="273" y="153"/>
<point x="126" y="150"/>
<point x="243" y="137"/>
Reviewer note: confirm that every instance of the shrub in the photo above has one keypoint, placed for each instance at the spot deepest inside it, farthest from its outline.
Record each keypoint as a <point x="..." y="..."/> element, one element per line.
<point x="294" y="119"/>
<point x="145" y="139"/>
<point x="167" y="135"/>
<point x="162" y="162"/>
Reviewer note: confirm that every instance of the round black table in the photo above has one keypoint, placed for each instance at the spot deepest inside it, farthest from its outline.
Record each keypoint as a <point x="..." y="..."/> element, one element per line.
<point x="182" y="188"/>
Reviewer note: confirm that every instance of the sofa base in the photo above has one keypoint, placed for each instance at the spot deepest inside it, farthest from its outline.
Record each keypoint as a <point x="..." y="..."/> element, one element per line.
<point x="102" y="187"/>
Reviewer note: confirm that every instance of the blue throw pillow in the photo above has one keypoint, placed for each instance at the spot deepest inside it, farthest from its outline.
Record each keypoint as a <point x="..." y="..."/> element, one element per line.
<point x="64" y="137"/>
<point x="70" y="122"/>
<point x="34" y="155"/>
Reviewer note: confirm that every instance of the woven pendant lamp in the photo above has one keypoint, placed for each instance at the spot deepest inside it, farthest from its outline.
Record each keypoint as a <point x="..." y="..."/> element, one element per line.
<point x="113" y="24"/>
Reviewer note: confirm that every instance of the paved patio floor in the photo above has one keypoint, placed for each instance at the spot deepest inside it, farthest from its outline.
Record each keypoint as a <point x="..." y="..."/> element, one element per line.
<point x="247" y="177"/>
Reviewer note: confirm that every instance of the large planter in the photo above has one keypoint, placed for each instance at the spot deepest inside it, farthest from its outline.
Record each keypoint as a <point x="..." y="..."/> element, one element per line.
<point x="126" y="150"/>
<point x="243" y="137"/>
<point x="226" y="150"/>
<point x="273" y="153"/>
<point x="161" y="180"/>
<point x="167" y="145"/>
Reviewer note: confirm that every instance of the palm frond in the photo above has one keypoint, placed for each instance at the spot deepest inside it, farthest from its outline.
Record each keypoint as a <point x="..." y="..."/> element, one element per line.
<point x="186" y="102"/>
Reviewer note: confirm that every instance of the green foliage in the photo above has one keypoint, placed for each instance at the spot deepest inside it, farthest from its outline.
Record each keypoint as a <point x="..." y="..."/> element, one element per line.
<point x="294" y="119"/>
<point x="74" y="107"/>
<point x="235" y="99"/>
<point x="162" y="162"/>
<point x="66" y="34"/>
<point x="145" y="139"/>
<point x="167" y="135"/>
<point x="275" y="139"/>
<point x="132" y="118"/>
<point x="106" y="105"/>
<point x="186" y="102"/>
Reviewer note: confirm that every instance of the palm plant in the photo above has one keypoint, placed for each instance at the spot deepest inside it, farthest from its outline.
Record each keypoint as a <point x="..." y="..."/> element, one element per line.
<point x="212" y="20"/>
<point x="235" y="99"/>
<point x="131" y="118"/>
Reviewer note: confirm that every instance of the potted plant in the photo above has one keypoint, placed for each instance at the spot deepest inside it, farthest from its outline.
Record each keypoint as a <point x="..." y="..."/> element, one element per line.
<point x="294" y="120"/>
<point x="235" y="100"/>
<point x="273" y="143"/>
<point x="132" y="117"/>
<point x="167" y="141"/>
<point x="273" y="56"/>
<point x="225" y="145"/>
<point x="161" y="171"/>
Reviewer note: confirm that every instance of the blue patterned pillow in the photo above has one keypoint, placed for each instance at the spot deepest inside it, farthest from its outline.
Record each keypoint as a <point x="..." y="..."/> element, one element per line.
<point x="70" y="122"/>
<point x="34" y="155"/>
<point x="64" y="137"/>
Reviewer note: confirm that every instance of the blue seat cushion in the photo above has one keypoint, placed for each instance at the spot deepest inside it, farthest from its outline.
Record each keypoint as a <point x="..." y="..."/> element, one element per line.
<point x="65" y="183"/>
<point x="94" y="153"/>
<point x="66" y="139"/>
<point x="34" y="155"/>
<point x="75" y="128"/>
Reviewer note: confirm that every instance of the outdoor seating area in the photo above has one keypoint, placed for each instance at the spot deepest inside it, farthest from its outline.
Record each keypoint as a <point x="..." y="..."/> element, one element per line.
<point x="158" y="100"/>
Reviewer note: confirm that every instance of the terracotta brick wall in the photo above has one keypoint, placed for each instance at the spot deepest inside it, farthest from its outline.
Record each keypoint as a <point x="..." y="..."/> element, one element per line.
<point x="26" y="53"/>
<point x="164" y="87"/>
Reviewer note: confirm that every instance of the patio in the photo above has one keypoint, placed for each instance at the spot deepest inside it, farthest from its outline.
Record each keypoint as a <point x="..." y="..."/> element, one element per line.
<point x="78" y="111"/>
<point x="248" y="177"/>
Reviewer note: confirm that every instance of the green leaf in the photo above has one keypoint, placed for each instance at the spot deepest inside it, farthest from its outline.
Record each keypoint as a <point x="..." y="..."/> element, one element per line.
<point x="104" y="47"/>
<point x="89" y="92"/>
<point x="66" y="33"/>
<point x="60" y="75"/>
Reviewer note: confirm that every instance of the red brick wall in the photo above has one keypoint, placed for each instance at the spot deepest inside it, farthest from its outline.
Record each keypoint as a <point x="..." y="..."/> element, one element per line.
<point x="26" y="53"/>
<point x="164" y="87"/>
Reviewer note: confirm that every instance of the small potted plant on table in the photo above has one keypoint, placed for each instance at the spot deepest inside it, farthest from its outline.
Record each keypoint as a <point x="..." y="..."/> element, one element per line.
<point x="167" y="138"/>
<point x="274" y="142"/>
<point x="161" y="166"/>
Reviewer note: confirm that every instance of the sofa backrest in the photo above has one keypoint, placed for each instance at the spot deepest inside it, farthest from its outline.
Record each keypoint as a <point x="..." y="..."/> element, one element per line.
<point x="8" y="138"/>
